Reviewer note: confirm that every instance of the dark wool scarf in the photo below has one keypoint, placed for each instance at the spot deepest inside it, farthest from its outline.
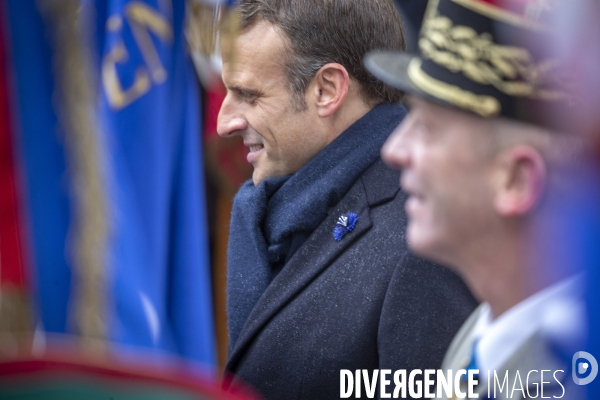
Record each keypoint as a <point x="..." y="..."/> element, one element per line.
<point x="270" y="222"/>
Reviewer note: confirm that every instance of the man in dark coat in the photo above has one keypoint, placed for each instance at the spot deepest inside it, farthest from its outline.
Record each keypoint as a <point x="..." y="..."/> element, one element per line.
<point x="320" y="279"/>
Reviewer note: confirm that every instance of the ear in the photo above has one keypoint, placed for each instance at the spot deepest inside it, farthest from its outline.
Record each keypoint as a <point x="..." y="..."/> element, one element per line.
<point x="521" y="181"/>
<point x="331" y="84"/>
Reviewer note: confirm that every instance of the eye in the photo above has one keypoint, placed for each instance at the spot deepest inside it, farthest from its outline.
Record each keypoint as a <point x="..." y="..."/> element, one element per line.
<point x="249" y="98"/>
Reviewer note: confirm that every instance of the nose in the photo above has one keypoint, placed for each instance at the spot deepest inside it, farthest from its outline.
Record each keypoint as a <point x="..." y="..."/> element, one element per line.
<point x="231" y="120"/>
<point x="395" y="151"/>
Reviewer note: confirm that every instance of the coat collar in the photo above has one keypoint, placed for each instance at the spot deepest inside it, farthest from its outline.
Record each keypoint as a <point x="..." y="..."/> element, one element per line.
<point x="535" y="354"/>
<point x="532" y="357"/>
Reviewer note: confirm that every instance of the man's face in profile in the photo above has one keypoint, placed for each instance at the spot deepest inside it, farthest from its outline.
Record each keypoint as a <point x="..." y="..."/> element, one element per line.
<point x="445" y="156"/>
<point x="258" y="107"/>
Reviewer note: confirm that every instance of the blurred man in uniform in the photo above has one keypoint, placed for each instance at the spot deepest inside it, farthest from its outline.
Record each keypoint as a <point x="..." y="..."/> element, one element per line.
<point x="487" y="172"/>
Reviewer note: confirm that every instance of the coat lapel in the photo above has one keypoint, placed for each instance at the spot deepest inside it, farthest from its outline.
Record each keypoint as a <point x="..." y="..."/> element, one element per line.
<point x="319" y="250"/>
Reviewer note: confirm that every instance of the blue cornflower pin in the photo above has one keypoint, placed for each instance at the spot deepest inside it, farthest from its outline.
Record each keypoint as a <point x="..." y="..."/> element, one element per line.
<point x="345" y="223"/>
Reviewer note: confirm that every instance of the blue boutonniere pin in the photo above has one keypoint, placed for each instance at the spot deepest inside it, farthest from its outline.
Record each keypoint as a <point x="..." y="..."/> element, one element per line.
<point x="345" y="223"/>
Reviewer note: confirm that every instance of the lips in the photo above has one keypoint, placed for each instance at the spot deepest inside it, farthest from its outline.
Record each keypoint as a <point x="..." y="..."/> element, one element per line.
<point x="415" y="199"/>
<point x="256" y="150"/>
<point x="408" y="186"/>
<point x="413" y="205"/>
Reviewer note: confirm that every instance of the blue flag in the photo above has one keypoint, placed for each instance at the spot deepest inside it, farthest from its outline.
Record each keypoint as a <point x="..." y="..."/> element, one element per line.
<point x="150" y="113"/>
<point x="157" y="272"/>
<point x="43" y="161"/>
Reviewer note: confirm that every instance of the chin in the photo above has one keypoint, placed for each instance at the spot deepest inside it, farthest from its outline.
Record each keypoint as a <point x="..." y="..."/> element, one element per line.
<point x="256" y="180"/>
<point x="436" y="250"/>
<point x="415" y="239"/>
<point x="422" y="244"/>
<point x="260" y="175"/>
<point x="419" y="248"/>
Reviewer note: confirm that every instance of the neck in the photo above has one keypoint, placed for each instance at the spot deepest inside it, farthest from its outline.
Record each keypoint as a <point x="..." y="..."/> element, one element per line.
<point x="512" y="267"/>
<point x="351" y="111"/>
<point x="494" y="275"/>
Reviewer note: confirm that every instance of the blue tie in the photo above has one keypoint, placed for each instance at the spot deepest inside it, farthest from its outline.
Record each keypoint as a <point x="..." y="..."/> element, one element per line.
<point x="473" y="361"/>
<point x="473" y="365"/>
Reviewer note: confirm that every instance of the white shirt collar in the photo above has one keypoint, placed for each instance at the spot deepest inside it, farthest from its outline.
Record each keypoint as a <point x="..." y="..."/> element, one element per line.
<point x="557" y="311"/>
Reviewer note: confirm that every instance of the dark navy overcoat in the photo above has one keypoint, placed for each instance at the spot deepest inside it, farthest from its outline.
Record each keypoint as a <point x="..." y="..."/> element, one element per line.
<point x="360" y="303"/>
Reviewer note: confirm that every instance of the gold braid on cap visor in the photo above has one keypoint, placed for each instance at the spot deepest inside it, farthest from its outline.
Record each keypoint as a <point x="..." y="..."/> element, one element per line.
<point x="458" y="48"/>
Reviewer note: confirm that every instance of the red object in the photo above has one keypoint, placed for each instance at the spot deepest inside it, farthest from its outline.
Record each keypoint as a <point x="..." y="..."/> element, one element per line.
<point x="226" y="157"/>
<point x="214" y="98"/>
<point x="73" y="366"/>
<point x="519" y="7"/>
<point x="508" y="3"/>
<point x="12" y="268"/>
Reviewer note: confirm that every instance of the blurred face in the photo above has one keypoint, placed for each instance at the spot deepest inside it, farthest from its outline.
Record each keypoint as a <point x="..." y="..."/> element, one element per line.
<point x="446" y="159"/>
<point x="259" y="108"/>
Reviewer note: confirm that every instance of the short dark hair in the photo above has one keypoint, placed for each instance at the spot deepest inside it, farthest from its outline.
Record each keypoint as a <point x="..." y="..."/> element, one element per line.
<point x="324" y="31"/>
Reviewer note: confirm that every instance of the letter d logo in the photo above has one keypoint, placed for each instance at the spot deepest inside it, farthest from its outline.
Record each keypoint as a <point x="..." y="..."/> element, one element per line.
<point x="584" y="365"/>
